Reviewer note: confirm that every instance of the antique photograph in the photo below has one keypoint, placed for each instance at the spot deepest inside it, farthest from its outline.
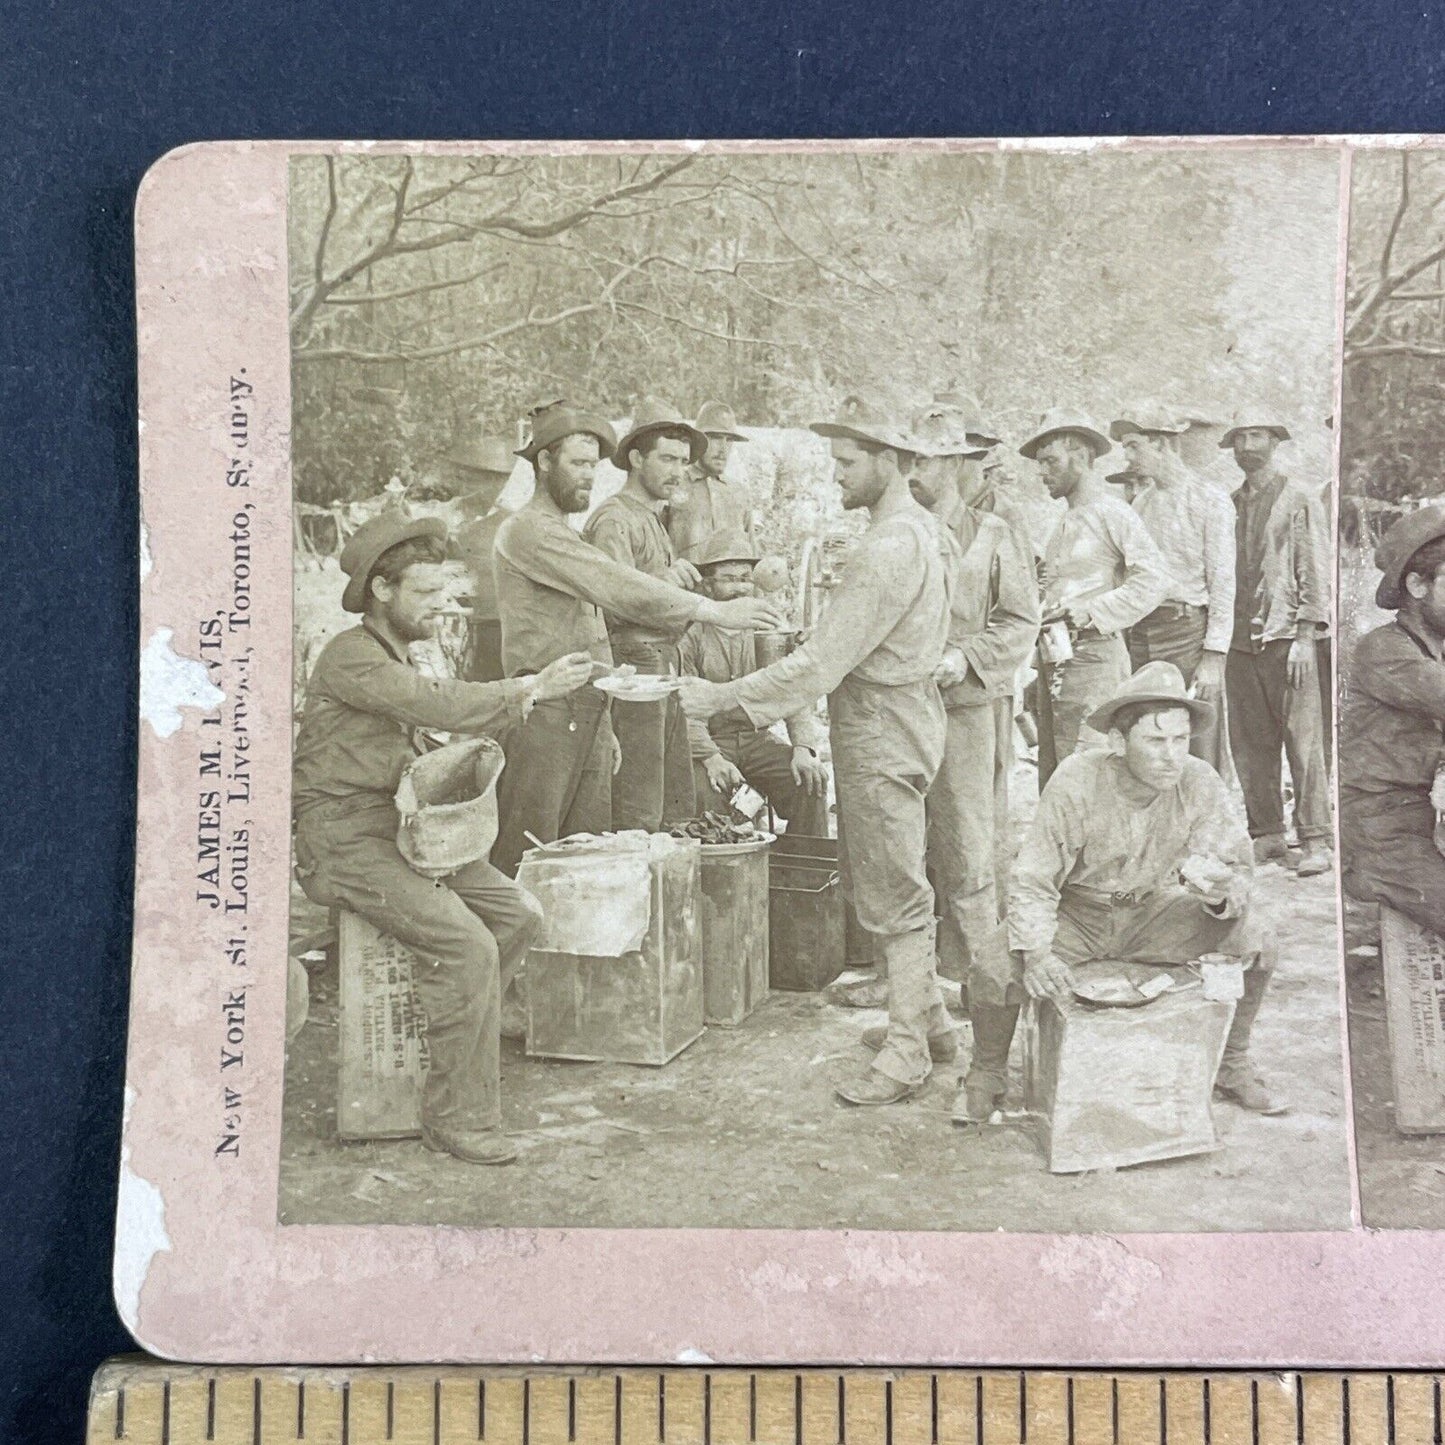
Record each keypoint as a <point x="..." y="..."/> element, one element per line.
<point x="814" y="686"/>
<point x="1392" y="682"/>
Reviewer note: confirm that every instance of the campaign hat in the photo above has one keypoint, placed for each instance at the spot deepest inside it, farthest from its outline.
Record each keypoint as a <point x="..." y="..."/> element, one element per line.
<point x="1155" y="682"/>
<point x="1148" y="417"/>
<point x="366" y="544"/>
<point x="1253" y="420"/>
<point x="727" y="544"/>
<point x="1064" y="421"/>
<point x="717" y="418"/>
<point x="560" y="419"/>
<point x="861" y="419"/>
<point x="965" y="402"/>
<point x="1399" y="544"/>
<point x="655" y="415"/>
<point x="942" y="431"/>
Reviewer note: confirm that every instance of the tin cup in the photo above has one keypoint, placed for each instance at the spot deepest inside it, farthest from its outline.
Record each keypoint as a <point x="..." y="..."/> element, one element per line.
<point x="1056" y="645"/>
<point x="1222" y="977"/>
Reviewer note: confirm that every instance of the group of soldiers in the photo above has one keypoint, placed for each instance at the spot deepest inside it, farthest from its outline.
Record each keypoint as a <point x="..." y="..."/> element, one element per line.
<point x="1143" y="615"/>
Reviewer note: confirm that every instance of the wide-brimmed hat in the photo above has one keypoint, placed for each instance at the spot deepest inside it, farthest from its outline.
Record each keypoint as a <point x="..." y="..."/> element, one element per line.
<point x="718" y="419"/>
<point x="365" y="545"/>
<point x="560" y="419"/>
<point x="1155" y="682"/>
<point x="964" y="401"/>
<point x="1147" y="417"/>
<point x="727" y="544"/>
<point x="1399" y="545"/>
<point x="863" y="420"/>
<point x="1061" y="421"/>
<point x="1253" y="421"/>
<point x="942" y="431"/>
<point x="654" y="415"/>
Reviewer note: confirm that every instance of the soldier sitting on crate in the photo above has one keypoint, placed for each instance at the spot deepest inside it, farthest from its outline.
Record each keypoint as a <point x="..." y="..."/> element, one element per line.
<point x="1392" y="727"/>
<point x="1136" y="853"/>
<point x="365" y="705"/>
<point x="728" y="750"/>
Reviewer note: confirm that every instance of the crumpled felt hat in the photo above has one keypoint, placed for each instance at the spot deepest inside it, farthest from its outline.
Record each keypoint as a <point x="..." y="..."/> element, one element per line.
<point x="1399" y="544"/>
<point x="1061" y="421"/>
<point x="1147" y="416"/>
<point x="717" y="418"/>
<point x="941" y="430"/>
<point x="1156" y="682"/>
<point x="974" y="424"/>
<point x="1252" y="421"/>
<point x="365" y="545"/>
<point x="654" y="415"/>
<point x="727" y="544"/>
<point x="483" y="454"/>
<point x="862" y="420"/>
<point x="560" y="419"/>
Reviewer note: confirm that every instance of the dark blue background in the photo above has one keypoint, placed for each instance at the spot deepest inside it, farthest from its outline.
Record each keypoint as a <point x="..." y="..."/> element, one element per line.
<point x="90" y="95"/>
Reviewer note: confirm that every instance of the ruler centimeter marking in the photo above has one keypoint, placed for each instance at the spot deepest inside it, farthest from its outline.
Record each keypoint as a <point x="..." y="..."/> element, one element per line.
<point x="151" y="1403"/>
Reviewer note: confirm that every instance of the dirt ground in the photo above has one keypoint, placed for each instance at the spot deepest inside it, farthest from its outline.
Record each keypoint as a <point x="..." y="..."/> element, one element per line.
<point x="741" y="1130"/>
<point x="1402" y="1176"/>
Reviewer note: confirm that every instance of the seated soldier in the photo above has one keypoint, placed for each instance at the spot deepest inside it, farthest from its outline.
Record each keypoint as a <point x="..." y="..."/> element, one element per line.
<point x="727" y="750"/>
<point x="366" y="713"/>
<point x="1136" y="853"/>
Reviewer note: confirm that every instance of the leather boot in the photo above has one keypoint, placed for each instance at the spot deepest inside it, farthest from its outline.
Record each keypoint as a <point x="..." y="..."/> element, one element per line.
<point x="986" y="1082"/>
<point x="1237" y="1080"/>
<point x="915" y="1013"/>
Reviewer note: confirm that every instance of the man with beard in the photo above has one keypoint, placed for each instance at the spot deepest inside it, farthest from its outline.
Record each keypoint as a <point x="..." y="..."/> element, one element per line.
<point x="484" y="465"/>
<point x="1392" y="729"/>
<point x="1281" y="610"/>
<point x="1135" y="854"/>
<point x="709" y="501"/>
<point x="552" y="587"/>
<point x="366" y="707"/>
<point x="1101" y="574"/>
<point x="653" y="786"/>
<point x="993" y="625"/>
<point x="1192" y="524"/>
<point x="874" y="652"/>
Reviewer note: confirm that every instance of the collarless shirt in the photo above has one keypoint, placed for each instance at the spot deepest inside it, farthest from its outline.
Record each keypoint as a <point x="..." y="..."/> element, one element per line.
<point x="630" y="531"/>
<point x="364" y="702"/>
<point x="1100" y="832"/>
<point x="1192" y="524"/>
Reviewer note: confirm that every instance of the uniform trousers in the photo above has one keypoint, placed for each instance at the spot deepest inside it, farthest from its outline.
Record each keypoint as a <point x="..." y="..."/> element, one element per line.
<point x="888" y="744"/>
<point x="1265" y="716"/>
<point x="469" y="931"/>
<point x="558" y="778"/>
<point x="653" y="788"/>
<point x="767" y="765"/>
<point x="962" y="843"/>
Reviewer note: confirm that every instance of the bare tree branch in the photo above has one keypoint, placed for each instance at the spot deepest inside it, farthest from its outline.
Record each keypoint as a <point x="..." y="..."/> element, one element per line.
<point x="443" y="284"/>
<point x="1388" y="251"/>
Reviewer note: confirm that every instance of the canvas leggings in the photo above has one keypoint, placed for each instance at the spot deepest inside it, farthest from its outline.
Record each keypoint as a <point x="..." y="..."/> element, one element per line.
<point x="468" y="931"/>
<point x="1266" y="716"/>
<point x="888" y="744"/>
<point x="558" y="777"/>
<point x="653" y="789"/>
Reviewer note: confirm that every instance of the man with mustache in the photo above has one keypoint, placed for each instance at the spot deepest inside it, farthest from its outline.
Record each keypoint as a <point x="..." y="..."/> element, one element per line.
<point x="1135" y="854"/>
<point x="873" y="653"/>
<point x="1281" y="612"/>
<point x="653" y="787"/>
<point x="552" y="589"/>
<point x="709" y="501"/>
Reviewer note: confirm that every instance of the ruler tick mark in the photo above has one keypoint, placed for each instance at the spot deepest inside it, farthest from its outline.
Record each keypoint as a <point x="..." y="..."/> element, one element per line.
<point x="707" y="1409"/>
<point x="752" y="1408"/>
<point x="617" y="1410"/>
<point x="933" y="1410"/>
<point x="842" y="1414"/>
<point x="797" y="1410"/>
<point x="887" y="1412"/>
<point x="256" y="1411"/>
<point x="978" y="1408"/>
<point x="166" y="1413"/>
<point x="572" y="1409"/>
<point x="345" y="1412"/>
<point x="211" y="1408"/>
<point x="1299" y="1410"/>
<point x="390" y="1408"/>
<point x="526" y="1412"/>
<point x="662" y="1407"/>
<point x="1023" y="1408"/>
<point x="120" y="1413"/>
<point x="481" y="1409"/>
<point x="1254" y="1412"/>
<point x="1163" y="1411"/>
<point x="301" y="1410"/>
<point x="1436" y="1392"/>
<point x="1390" y="1409"/>
<point x="1068" y="1412"/>
<point x="1205" y="1407"/>
<point x="436" y="1412"/>
<point x="1345" y="1409"/>
<point x="1114" y="1406"/>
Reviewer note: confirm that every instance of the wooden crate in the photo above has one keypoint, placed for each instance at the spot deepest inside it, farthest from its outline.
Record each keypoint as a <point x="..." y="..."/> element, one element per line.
<point x="1414" y="967"/>
<point x="642" y="1007"/>
<point x="734" y="898"/>
<point x="1121" y="1086"/>
<point x="382" y="1044"/>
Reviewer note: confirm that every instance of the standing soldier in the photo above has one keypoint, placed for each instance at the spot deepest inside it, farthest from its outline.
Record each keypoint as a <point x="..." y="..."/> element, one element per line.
<point x="708" y="501"/>
<point x="1281" y="609"/>
<point x="874" y="652"/>
<point x="1101" y="574"/>
<point x="994" y="622"/>
<point x="729" y="751"/>
<point x="551" y="587"/>
<point x="1192" y="523"/>
<point x="485" y="465"/>
<point x="366" y="707"/>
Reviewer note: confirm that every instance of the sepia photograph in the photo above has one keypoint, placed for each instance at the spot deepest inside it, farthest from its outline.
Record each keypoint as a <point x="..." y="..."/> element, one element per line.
<point x="814" y="687"/>
<point x="1392" y="682"/>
